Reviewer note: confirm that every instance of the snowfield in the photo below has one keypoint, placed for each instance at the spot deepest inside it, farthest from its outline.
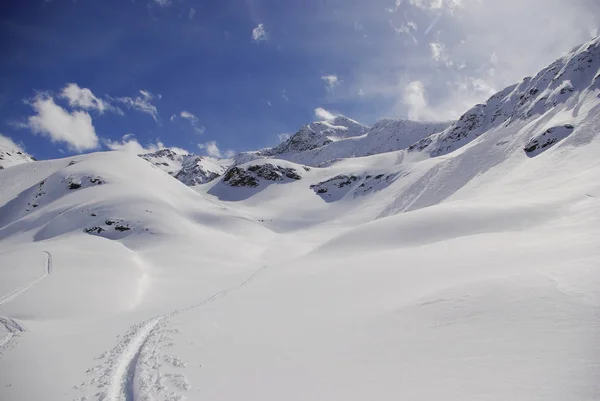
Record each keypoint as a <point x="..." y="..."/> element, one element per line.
<point x="462" y="265"/>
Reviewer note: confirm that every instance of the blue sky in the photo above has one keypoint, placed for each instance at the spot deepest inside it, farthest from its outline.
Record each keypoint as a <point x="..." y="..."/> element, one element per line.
<point x="217" y="76"/>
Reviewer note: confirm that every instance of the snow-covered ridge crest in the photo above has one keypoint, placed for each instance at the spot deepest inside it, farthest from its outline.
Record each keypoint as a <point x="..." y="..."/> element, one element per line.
<point x="322" y="142"/>
<point x="318" y="134"/>
<point x="557" y="84"/>
<point x="188" y="168"/>
<point x="11" y="154"/>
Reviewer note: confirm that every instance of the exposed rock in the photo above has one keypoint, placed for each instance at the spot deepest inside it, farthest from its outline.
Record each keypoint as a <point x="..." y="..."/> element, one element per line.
<point x="238" y="177"/>
<point x="547" y="139"/>
<point x="76" y="183"/>
<point x="252" y="175"/>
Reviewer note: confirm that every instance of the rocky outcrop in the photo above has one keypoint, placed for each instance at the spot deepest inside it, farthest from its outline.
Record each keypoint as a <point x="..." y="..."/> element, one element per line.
<point x="252" y="175"/>
<point x="547" y="139"/>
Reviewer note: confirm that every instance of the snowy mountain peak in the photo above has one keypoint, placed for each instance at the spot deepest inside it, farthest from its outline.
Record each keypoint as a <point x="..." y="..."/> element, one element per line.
<point x="318" y="134"/>
<point x="354" y="127"/>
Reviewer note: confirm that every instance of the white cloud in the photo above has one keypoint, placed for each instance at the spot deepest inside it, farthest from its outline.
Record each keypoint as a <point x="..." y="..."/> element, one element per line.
<point x="436" y="50"/>
<point x="188" y="116"/>
<point x="83" y="98"/>
<point x="407" y="27"/>
<point x="323" y="114"/>
<point x="284" y="95"/>
<point x="259" y="33"/>
<point x="192" y="120"/>
<point x="7" y="143"/>
<point x="212" y="149"/>
<point x="439" y="53"/>
<point x="331" y="81"/>
<point x="192" y="13"/>
<point x="395" y="7"/>
<point x="75" y="129"/>
<point x="450" y="5"/>
<point x="284" y="137"/>
<point x="468" y="38"/>
<point x="128" y="143"/>
<point x="162" y="3"/>
<point x="141" y="103"/>
<point x="414" y="99"/>
<point x="467" y="93"/>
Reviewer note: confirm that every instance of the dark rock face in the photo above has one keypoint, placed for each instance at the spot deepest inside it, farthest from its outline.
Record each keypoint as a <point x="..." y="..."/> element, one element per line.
<point x="93" y="230"/>
<point x="252" y="175"/>
<point x="274" y="173"/>
<point x="75" y="183"/>
<point x="163" y="153"/>
<point x="548" y="138"/>
<point x="339" y="181"/>
<point x="114" y="224"/>
<point x="193" y="172"/>
<point x="238" y="177"/>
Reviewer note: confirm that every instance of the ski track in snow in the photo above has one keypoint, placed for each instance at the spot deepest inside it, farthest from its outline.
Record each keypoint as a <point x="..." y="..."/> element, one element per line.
<point x="131" y="371"/>
<point x="15" y="293"/>
<point x="10" y="328"/>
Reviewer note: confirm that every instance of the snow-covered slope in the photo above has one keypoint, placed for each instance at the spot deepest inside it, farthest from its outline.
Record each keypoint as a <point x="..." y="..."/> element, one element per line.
<point x="188" y="168"/>
<point x="318" y="134"/>
<point x="464" y="268"/>
<point x="326" y="142"/>
<point x="387" y="135"/>
<point x="11" y="154"/>
<point x="562" y="83"/>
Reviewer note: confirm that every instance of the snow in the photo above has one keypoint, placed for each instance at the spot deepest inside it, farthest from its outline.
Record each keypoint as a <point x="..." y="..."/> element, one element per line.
<point x="11" y="154"/>
<point x="188" y="168"/>
<point x="461" y="268"/>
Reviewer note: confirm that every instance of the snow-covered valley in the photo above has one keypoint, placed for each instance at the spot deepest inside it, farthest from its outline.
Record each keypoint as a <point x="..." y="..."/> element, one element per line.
<point x="409" y="260"/>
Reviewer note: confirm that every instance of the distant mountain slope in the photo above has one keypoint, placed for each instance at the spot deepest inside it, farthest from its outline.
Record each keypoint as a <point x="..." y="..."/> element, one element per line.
<point x="561" y="83"/>
<point x="188" y="168"/>
<point x="323" y="141"/>
<point x="12" y="154"/>
<point x="318" y="134"/>
<point x="109" y="194"/>
<point x="387" y="135"/>
<point x="313" y="145"/>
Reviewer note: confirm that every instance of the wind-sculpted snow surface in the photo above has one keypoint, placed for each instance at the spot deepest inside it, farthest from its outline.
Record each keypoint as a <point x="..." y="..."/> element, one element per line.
<point x="419" y="261"/>
<point x="10" y="328"/>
